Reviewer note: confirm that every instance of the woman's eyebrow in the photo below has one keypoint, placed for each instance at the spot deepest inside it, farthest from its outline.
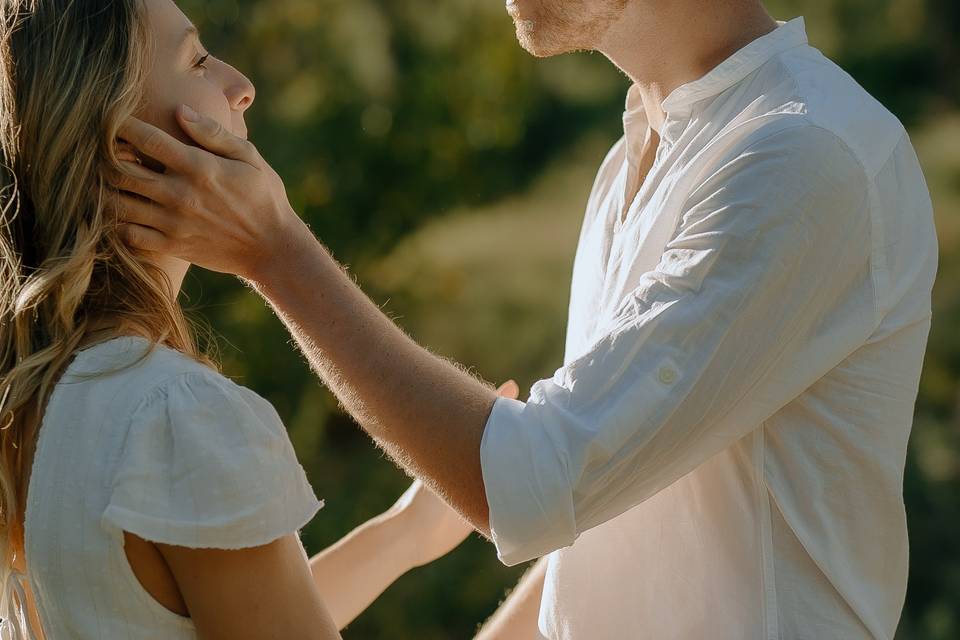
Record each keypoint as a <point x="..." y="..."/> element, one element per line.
<point x="190" y="31"/>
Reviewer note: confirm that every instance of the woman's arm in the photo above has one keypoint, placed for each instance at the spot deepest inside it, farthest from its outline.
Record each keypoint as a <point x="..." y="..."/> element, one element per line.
<point x="351" y="573"/>
<point x="273" y="592"/>
<point x="252" y="593"/>
<point x="415" y="531"/>
<point x="354" y="571"/>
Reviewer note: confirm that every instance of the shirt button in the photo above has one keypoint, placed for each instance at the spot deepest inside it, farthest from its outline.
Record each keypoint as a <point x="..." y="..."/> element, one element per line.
<point x="667" y="375"/>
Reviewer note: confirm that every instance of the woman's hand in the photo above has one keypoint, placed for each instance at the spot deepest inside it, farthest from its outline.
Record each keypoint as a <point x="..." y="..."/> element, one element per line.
<point x="219" y="205"/>
<point x="434" y="528"/>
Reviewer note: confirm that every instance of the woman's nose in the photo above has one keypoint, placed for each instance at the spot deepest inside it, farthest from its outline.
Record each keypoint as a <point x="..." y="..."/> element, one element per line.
<point x="239" y="90"/>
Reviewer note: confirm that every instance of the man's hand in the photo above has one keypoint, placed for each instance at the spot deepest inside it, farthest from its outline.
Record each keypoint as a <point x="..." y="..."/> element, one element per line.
<point x="220" y="206"/>
<point x="228" y="212"/>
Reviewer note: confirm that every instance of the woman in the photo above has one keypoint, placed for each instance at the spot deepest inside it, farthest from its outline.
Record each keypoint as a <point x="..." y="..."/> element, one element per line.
<point x="142" y="494"/>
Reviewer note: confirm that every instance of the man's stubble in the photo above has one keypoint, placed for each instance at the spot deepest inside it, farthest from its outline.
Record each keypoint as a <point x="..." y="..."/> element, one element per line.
<point x="562" y="26"/>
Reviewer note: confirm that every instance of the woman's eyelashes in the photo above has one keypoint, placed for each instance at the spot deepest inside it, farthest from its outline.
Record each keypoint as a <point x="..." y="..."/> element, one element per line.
<point x="201" y="63"/>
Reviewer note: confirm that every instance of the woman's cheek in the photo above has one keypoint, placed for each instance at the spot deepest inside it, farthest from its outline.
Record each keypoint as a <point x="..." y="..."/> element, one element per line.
<point x="215" y="107"/>
<point x="165" y="118"/>
<point x="161" y="100"/>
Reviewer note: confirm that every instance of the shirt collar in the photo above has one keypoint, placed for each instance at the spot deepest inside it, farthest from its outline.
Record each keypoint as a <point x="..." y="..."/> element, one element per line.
<point x="738" y="66"/>
<point x="732" y="70"/>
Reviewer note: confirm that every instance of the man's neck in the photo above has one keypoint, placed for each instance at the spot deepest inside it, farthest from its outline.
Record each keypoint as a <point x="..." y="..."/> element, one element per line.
<point x="676" y="43"/>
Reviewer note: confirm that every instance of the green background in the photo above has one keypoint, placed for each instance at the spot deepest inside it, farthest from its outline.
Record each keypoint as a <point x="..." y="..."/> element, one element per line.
<point x="449" y="169"/>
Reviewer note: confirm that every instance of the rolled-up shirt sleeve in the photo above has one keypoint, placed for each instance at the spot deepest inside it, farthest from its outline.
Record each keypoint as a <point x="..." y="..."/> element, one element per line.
<point x="765" y="286"/>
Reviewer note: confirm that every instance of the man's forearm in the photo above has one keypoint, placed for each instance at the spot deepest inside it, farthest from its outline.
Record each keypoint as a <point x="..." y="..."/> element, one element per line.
<point x="426" y="412"/>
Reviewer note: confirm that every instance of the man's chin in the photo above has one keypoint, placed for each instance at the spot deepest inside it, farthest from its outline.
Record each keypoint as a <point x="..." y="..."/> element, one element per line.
<point x="535" y="45"/>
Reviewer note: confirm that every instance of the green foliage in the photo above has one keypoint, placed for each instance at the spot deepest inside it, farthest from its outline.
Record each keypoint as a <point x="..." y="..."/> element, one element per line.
<point x="449" y="169"/>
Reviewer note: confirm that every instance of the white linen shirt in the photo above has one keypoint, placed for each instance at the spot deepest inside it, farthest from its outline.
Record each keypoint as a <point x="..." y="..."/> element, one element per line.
<point x="726" y="439"/>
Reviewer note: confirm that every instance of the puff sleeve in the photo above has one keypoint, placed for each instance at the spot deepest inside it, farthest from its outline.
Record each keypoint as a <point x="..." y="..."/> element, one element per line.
<point x="208" y="463"/>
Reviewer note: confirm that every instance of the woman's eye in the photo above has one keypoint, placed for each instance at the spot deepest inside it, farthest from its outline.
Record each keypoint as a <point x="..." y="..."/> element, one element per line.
<point x="201" y="62"/>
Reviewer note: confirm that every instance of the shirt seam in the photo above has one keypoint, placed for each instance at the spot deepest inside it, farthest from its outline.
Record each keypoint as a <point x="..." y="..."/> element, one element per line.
<point x="877" y="231"/>
<point x="807" y="546"/>
<point x="768" y="580"/>
<point x="877" y="253"/>
<point x="160" y="388"/>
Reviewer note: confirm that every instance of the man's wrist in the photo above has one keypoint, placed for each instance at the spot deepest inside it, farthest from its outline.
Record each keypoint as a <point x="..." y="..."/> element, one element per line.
<point x="270" y="267"/>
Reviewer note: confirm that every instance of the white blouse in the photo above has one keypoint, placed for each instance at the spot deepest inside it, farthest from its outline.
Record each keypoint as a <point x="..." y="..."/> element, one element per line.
<point x="163" y="447"/>
<point x="722" y="453"/>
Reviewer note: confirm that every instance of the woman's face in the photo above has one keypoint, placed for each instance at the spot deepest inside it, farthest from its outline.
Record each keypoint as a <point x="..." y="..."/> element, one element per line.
<point x="182" y="72"/>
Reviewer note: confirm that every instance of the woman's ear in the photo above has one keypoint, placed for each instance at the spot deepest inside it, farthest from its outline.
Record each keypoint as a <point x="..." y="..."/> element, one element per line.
<point x="128" y="153"/>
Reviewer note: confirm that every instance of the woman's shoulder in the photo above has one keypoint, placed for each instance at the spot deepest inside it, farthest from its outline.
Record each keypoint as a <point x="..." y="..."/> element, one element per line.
<point x="135" y="371"/>
<point x="205" y="461"/>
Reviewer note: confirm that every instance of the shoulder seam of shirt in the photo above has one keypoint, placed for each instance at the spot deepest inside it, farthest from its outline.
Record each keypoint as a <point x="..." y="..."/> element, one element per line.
<point x="155" y="389"/>
<point x="818" y="122"/>
<point x="161" y="386"/>
<point x="870" y="175"/>
<point x="807" y="118"/>
<point x="875" y="223"/>
<point x="164" y="383"/>
<point x="135" y="408"/>
<point x="135" y="404"/>
<point x="877" y="229"/>
<point x="804" y="121"/>
<point x="869" y="178"/>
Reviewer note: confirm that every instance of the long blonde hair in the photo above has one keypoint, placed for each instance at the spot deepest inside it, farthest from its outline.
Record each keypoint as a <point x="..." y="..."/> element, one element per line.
<point x="70" y="72"/>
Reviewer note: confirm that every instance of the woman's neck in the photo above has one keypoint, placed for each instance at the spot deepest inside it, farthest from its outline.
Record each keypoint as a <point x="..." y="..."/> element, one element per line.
<point x="107" y="328"/>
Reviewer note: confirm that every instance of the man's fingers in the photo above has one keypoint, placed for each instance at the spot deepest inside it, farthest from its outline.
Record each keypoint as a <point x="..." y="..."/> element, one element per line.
<point x="214" y="137"/>
<point x="136" y="178"/>
<point x="509" y="389"/>
<point x="132" y="210"/>
<point x="143" y="238"/>
<point x="158" y="144"/>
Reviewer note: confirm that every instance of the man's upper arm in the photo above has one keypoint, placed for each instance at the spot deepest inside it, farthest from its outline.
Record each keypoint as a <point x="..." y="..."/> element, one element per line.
<point x="250" y="593"/>
<point x="764" y="288"/>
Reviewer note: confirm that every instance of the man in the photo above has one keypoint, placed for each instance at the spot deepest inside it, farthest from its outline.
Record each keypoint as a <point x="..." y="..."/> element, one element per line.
<point x="721" y="453"/>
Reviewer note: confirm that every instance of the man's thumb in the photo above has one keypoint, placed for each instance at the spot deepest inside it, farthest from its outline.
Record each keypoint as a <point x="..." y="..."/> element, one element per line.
<point x="212" y="136"/>
<point x="509" y="389"/>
